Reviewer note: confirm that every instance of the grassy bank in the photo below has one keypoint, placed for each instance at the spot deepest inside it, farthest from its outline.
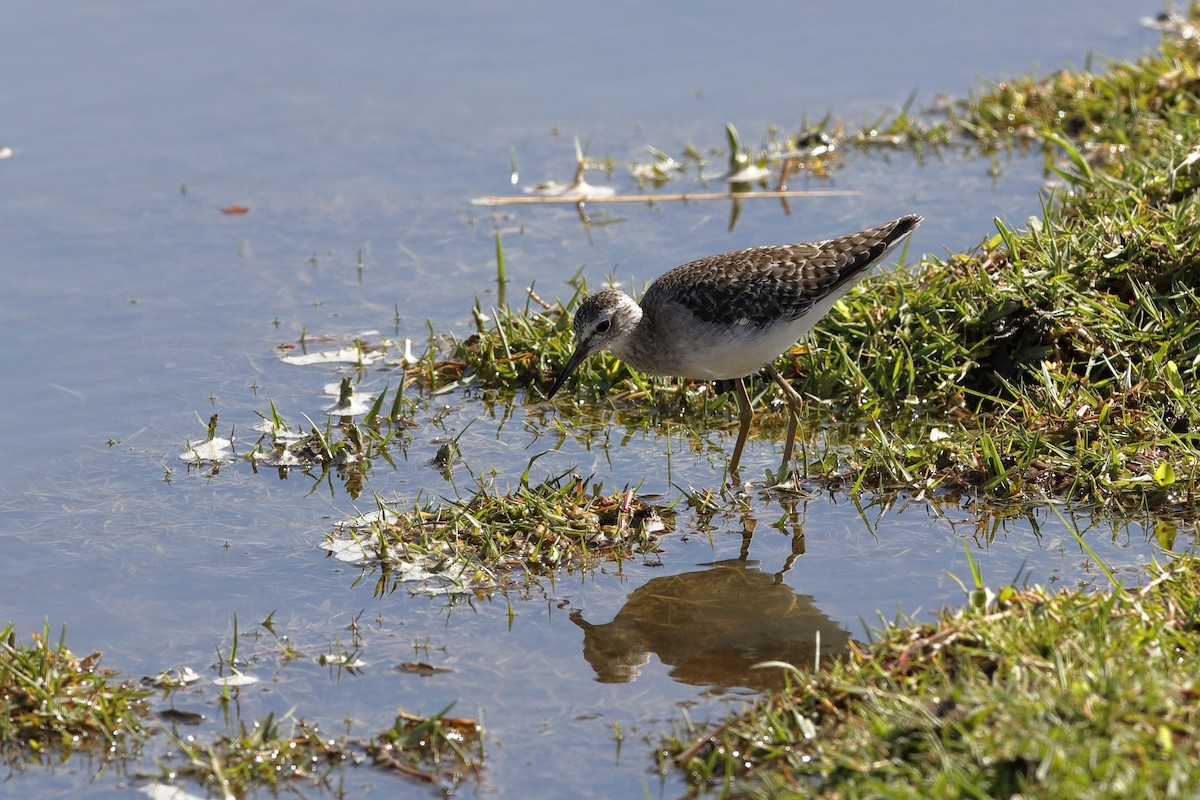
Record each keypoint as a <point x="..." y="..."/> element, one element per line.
<point x="1031" y="693"/>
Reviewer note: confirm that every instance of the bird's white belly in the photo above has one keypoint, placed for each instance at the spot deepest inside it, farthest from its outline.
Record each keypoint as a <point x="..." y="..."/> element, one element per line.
<point x="717" y="353"/>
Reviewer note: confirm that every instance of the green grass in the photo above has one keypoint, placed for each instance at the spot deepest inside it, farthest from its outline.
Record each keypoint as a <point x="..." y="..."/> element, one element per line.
<point x="1036" y="693"/>
<point x="265" y="753"/>
<point x="54" y="703"/>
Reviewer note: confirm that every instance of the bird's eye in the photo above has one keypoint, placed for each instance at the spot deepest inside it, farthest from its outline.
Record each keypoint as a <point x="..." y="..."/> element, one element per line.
<point x="603" y="325"/>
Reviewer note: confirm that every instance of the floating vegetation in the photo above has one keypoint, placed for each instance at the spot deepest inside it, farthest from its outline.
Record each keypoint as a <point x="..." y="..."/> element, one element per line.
<point x="463" y="546"/>
<point x="367" y="348"/>
<point x="277" y="753"/>
<point x="261" y="754"/>
<point x="811" y="151"/>
<point x="349" y="403"/>
<point x="342" y="445"/>
<point x="656" y="172"/>
<point x="578" y="189"/>
<point x="745" y="167"/>
<point x="359" y="353"/>
<point x="214" y="449"/>
<point x="439" y="750"/>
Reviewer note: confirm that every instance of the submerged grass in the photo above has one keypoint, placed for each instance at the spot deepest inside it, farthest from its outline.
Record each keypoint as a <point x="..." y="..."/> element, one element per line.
<point x="1035" y="693"/>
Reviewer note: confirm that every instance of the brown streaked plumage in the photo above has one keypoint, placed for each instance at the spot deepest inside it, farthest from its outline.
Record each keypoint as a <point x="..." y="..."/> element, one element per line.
<point x="730" y="315"/>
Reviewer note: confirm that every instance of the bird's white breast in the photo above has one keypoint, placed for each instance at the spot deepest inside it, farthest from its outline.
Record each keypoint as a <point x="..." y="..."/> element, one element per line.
<point x="717" y="352"/>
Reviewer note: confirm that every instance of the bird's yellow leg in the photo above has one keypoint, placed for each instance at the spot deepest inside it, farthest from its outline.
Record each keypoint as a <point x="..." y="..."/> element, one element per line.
<point x="745" y="417"/>
<point x="795" y="404"/>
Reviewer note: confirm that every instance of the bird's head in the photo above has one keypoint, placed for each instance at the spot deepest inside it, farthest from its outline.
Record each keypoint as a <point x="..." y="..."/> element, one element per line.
<point x="602" y="322"/>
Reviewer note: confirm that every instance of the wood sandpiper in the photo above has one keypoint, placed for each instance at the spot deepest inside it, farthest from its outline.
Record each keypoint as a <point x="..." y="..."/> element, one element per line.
<point x="730" y="315"/>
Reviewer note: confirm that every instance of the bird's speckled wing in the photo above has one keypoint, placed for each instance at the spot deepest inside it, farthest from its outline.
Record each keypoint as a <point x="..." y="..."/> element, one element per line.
<point x="762" y="285"/>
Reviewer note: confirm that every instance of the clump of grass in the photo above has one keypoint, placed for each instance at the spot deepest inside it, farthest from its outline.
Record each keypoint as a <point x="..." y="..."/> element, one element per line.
<point x="342" y="446"/>
<point x="533" y="528"/>
<point x="54" y="702"/>
<point x="438" y="749"/>
<point x="517" y="349"/>
<point x="1059" y="354"/>
<point x="261" y="754"/>
<point x="1035" y="693"/>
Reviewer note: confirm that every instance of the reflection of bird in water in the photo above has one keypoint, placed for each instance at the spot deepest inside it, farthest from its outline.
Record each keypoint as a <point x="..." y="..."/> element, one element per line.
<point x="711" y="627"/>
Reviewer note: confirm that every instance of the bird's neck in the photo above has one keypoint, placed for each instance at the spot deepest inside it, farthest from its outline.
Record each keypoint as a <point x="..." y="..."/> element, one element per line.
<point x="640" y="343"/>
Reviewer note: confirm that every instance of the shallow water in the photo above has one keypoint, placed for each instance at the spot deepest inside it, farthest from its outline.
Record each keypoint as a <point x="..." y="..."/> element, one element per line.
<point x="134" y="309"/>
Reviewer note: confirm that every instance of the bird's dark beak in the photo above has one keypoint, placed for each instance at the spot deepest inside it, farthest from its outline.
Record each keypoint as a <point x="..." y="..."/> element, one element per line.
<point x="574" y="361"/>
